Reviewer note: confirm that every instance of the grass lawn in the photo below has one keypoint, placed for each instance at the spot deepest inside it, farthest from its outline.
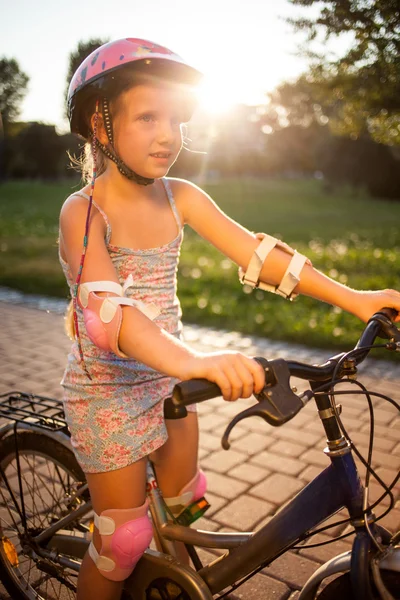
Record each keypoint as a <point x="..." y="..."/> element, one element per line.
<point x="351" y="237"/>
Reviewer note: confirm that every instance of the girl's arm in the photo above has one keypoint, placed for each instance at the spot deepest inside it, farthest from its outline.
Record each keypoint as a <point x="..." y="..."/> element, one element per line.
<point x="203" y="215"/>
<point x="140" y="338"/>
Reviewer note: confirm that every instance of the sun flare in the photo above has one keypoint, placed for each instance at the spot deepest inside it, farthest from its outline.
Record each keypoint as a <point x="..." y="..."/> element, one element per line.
<point x="215" y="97"/>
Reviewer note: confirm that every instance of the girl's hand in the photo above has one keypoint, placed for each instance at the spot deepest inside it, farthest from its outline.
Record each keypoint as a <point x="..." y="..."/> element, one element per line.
<point x="368" y="303"/>
<point x="237" y="375"/>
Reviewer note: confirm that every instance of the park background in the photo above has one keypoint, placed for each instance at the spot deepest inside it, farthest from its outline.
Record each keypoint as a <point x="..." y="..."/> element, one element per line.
<point x="297" y="134"/>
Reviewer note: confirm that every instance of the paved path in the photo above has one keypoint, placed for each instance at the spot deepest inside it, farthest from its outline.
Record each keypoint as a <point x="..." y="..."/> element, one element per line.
<point x="264" y="467"/>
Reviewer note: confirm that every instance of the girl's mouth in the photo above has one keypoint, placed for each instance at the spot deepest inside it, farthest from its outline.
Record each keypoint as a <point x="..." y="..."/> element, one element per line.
<point x="161" y="155"/>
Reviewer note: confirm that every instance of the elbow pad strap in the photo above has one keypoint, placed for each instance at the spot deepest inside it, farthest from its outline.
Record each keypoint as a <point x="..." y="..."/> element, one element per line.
<point x="103" y="315"/>
<point x="290" y="279"/>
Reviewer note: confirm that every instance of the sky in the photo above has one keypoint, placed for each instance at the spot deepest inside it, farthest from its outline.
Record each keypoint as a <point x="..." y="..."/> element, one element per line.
<point x="244" y="47"/>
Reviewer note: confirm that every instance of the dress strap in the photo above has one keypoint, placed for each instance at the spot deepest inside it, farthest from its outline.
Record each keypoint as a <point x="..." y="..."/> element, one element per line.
<point x="170" y="195"/>
<point x="101" y="211"/>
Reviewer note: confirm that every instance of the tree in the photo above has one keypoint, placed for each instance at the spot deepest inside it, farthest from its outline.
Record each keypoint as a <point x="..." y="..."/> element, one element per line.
<point x="13" y="87"/>
<point x="364" y="83"/>
<point x="315" y="126"/>
<point x="78" y="56"/>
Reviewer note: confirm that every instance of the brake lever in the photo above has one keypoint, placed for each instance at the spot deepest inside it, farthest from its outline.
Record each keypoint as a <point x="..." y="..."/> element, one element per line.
<point x="277" y="403"/>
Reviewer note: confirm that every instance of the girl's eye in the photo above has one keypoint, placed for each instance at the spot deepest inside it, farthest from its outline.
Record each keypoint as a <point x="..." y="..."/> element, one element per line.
<point x="147" y="118"/>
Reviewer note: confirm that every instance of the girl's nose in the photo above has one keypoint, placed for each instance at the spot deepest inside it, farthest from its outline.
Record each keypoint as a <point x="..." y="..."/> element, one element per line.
<point x="167" y="132"/>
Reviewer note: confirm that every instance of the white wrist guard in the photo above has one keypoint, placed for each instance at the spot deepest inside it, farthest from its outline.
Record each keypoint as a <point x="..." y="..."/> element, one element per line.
<point x="290" y="279"/>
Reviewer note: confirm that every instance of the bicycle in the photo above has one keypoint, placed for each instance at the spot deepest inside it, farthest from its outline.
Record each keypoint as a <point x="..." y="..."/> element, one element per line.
<point x="45" y="510"/>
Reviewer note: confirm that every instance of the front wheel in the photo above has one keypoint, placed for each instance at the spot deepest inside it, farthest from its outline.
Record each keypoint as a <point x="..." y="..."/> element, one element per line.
<point x="341" y="587"/>
<point x="44" y="484"/>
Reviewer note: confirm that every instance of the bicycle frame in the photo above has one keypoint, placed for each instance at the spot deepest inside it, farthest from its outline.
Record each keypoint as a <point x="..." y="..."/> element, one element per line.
<point x="335" y="487"/>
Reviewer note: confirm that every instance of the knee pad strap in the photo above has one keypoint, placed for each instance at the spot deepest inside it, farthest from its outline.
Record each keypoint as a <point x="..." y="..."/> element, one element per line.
<point x="125" y="535"/>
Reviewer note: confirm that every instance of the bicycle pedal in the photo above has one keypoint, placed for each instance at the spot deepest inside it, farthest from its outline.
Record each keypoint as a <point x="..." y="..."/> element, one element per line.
<point x="193" y="512"/>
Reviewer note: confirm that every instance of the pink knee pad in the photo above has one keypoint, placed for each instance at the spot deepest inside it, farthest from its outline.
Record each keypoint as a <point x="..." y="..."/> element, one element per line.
<point x="125" y="535"/>
<point x="197" y="486"/>
<point x="191" y="492"/>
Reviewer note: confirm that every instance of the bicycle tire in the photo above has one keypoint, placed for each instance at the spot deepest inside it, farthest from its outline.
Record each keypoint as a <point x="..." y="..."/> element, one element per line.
<point x="49" y="473"/>
<point x="341" y="587"/>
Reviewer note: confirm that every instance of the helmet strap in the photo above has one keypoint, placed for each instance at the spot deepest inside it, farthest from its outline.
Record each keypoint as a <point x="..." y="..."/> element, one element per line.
<point x="111" y="154"/>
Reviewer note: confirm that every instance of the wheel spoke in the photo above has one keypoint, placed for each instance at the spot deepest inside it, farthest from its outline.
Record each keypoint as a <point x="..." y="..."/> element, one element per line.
<point x="47" y="483"/>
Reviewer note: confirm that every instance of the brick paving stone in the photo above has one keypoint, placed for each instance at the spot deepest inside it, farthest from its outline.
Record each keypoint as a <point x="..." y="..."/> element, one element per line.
<point x="282" y="464"/>
<point x="203" y="452"/>
<point x="376" y="491"/>
<point x="388" y="475"/>
<point x="385" y="417"/>
<point x="298" y="436"/>
<point x="243" y="512"/>
<point x="384" y="431"/>
<point x="391" y="521"/>
<point x="206" y="524"/>
<point x="287" y="448"/>
<point x="251" y="443"/>
<point x="209" y="441"/>
<point x="264" y="521"/>
<point x="324" y="553"/>
<point x="250" y="473"/>
<point x="310" y="473"/>
<point x="211" y="421"/>
<point x="384" y="459"/>
<point x="224" y="486"/>
<point x="262" y="587"/>
<point x="230" y="409"/>
<point x="216" y="503"/>
<point x="336" y="530"/>
<point x="277" y="488"/>
<point x="222" y="461"/>
<point x="292" y="569"/>
<point x="315" y="457"/>
<point x="236" y="433"/>
<point x="380" y="442"/>
<point x="353" y="425"/>
<point x="302" y="418"/>
<point x="259" y="425"/>
<point x="315" y="426"/>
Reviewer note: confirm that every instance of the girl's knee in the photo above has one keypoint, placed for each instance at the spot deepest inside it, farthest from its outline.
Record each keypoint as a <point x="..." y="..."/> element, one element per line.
<point x="121" y="537"/>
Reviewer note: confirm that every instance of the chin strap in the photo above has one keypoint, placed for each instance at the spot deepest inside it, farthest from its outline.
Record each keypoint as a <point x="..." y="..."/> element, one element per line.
<point x="291" y="277"/>
<point x="111" y="154"/>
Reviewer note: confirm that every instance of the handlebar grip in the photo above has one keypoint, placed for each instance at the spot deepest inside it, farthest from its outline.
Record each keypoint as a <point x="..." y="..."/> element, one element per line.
<point x="391" y="313"/>
<point x="194" y="390"/>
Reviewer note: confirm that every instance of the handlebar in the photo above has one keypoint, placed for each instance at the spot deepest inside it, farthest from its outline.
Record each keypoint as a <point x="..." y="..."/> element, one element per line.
<point x="277" y="401"/>
<point x="379" y="325"/>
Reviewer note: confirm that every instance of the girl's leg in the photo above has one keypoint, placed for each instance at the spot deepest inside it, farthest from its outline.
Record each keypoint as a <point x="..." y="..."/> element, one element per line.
<point x="119" y="489"/>
<point x="176" y="462"/>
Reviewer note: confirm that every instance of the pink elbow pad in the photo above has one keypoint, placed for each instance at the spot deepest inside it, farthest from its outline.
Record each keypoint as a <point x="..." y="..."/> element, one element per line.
<point x="103" y="315"/>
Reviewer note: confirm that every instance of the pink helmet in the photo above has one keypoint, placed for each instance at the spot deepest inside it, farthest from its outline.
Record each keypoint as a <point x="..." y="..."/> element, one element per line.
<point x="93" y="75"/>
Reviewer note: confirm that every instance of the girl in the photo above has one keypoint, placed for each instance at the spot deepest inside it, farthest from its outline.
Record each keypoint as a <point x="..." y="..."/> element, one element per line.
<point x="128" y="100"/>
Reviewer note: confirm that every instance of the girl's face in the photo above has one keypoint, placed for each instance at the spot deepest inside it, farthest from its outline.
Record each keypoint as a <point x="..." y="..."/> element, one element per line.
<point x="147" y="128"/>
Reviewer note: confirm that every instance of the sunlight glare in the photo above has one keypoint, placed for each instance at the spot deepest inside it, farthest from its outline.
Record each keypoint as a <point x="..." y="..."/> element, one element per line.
<point x="215" y="97"/>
